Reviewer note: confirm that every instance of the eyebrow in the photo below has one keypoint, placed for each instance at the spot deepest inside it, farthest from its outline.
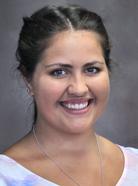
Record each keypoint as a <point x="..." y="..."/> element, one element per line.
<point x="59" y="64"/>
<point x="94" y="63"/>
<point x="70" y="66"/>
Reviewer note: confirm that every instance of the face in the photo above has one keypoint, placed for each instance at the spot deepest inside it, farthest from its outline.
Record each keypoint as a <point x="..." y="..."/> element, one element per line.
<point x="71" y="82"/>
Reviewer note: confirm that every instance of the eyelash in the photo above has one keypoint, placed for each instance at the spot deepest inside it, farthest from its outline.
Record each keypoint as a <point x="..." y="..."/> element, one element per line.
<point x="92" y="70"/>
<point x="60" y="72"/>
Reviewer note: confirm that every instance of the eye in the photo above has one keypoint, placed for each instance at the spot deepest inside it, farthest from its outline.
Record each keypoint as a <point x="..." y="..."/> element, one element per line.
<point x="58" y="73"/>
<point x="92" y="70"/>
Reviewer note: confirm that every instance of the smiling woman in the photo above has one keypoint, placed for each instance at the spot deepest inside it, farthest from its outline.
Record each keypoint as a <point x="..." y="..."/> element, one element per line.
<point x="75" y="82"/>
<point x="64" y="57"/>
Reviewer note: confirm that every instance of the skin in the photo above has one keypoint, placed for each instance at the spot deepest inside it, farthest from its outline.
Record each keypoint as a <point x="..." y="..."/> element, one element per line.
<point x="72" y="70"/>
<point x="74" y="82"/>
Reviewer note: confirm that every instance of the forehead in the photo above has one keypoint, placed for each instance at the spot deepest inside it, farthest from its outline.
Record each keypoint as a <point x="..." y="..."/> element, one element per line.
<point x="74" y="44"/>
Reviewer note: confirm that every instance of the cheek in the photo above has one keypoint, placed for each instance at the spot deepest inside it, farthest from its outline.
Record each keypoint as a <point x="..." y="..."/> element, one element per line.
<point x="102" y="88"/>
<point x="47" y="91"/>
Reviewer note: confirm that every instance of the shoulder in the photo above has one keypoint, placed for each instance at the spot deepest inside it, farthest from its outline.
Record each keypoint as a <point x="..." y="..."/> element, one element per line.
<point x="131" y="156"/>
<point x="12" y="174"/>
<point x="6" y="165"/>
<point x="130" y="152"/>
<point x="9" y="167"/>
<point x="130" y="173"/>
<point x="10" y="171"/>
<point x="5" y="162"/>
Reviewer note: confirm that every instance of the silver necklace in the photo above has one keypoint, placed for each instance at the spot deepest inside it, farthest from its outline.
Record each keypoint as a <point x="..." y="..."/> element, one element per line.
<point x="61" y="169"/>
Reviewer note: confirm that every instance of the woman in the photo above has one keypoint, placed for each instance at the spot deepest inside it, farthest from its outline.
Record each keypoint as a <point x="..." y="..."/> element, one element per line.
<point x="64" y="57"/>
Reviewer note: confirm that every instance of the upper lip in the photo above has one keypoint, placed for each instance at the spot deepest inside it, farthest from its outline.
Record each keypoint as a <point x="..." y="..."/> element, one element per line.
<point x="77" y="100"/>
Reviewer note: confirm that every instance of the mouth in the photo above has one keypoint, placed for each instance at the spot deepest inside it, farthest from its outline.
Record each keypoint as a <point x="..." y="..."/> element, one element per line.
<point x="76" y="106"/>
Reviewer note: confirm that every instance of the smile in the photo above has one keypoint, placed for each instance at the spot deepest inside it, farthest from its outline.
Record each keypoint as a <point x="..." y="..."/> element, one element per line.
<point x="77" y="105"/>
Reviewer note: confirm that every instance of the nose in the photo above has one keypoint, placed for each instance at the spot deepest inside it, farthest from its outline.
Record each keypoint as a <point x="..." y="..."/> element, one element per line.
<point x="78" y="86"/>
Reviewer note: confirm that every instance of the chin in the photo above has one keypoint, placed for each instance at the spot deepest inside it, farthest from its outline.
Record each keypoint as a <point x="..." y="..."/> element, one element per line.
<point x="79" y="128"/>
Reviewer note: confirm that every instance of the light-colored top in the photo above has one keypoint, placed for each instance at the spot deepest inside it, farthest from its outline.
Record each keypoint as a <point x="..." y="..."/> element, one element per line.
<point x="14" y="174"/>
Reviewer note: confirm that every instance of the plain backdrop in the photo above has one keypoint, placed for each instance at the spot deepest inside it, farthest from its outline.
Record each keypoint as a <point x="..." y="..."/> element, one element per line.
<point x="119" y="123"/>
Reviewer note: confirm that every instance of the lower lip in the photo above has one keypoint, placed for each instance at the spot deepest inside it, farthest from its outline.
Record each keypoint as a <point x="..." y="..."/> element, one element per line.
<point x="78" y="112"/>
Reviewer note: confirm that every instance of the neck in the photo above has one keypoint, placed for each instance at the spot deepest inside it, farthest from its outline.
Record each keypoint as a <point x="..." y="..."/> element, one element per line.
<point x="66" y="142"/>
<point x="60" y="159"/>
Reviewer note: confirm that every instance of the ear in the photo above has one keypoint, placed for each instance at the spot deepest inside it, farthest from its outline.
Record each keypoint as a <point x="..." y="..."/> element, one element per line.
<point x="29" y="87"/>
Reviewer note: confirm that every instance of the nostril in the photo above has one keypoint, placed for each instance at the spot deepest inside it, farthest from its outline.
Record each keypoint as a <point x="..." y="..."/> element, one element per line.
<point x="78" y="89"/>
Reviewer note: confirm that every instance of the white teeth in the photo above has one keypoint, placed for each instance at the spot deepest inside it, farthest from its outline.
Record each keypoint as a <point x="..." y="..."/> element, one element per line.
<point x="76" y="106"/>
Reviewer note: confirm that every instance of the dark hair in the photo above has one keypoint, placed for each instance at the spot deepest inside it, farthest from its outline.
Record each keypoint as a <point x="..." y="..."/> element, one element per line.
<point x="43" y="24"/>
<point x="38" y="29"/>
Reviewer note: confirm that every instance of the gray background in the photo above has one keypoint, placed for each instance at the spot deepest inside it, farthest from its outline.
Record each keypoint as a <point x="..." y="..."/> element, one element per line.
<point x="120" y="121"/>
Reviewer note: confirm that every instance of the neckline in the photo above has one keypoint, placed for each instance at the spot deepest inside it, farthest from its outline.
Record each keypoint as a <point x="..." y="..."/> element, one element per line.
<point x="20" y="166"/>
<point x="123" y="175"/>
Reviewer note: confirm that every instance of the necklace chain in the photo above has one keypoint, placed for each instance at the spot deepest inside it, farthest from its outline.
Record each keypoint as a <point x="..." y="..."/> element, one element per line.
<point x="61" y="169"/>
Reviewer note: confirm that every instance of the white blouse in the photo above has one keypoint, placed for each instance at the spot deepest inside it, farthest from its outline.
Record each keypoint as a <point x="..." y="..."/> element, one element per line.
<point x="14" y="174"/>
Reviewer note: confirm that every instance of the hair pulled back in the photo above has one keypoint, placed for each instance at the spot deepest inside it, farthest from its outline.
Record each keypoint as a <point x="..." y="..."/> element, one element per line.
<point x="39" y="28"/>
